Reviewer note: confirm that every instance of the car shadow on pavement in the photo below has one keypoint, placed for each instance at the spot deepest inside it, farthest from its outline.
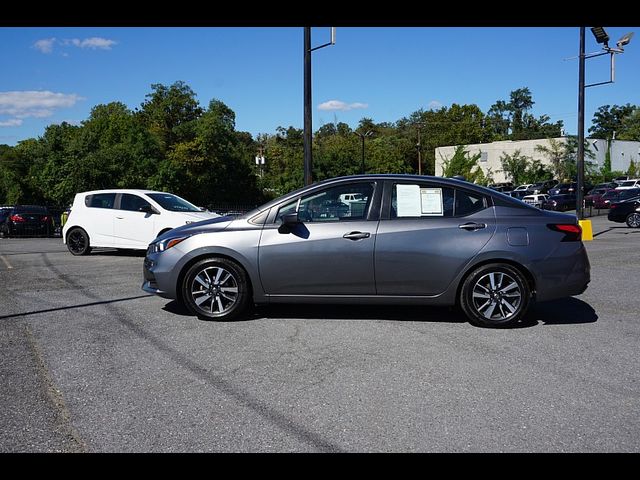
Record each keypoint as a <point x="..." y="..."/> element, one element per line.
<point x="567" y="311"/>
<point x="118" y="252"/>
<point x="559" y="312"/>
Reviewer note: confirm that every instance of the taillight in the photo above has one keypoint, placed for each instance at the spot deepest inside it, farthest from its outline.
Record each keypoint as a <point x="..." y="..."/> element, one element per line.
<point x="613" y="205"/>
<point x="44" y="219"/>
<point x="572" y="232"/>
<point x="17" y="218"/>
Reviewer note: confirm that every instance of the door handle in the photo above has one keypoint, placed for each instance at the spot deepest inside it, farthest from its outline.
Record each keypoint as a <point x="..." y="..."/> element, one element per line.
<point x="356" y="235"/>
<point x="119" y="218"/>
<point x="472" y="226"/>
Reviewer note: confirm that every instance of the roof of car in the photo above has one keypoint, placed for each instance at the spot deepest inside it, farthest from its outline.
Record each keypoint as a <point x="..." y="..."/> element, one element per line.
<point x="119" y="190"/>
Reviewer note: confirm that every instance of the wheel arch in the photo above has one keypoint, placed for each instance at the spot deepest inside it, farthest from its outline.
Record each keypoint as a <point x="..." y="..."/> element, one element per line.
<point x="526" y="273"/>
<point x="203" y="256"/>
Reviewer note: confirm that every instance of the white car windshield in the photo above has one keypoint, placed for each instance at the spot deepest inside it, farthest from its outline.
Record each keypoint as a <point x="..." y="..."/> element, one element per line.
<point x="173" y="203"/>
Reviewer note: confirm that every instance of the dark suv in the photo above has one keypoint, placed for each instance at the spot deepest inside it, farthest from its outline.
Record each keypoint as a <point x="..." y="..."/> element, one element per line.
<point x="26" y="220"/>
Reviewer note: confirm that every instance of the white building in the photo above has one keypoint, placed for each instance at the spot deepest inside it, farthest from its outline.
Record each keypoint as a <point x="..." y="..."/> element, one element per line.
<point x="622" y="152"/>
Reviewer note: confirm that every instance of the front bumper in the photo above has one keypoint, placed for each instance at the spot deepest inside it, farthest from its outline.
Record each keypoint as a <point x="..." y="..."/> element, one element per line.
<point x="150" y="284"/>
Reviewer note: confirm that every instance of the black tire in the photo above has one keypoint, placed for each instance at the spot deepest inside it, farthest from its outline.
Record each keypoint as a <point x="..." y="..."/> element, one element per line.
<point x="633" y="220"/>
<point x="495" y="295"/>
<point x="4" y="231"/>
<point x="78" y="242"/>
<point x="216" y="289"/>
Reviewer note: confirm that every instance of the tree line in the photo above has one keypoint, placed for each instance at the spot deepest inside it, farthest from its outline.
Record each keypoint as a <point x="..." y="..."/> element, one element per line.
<point x="172" y="143"/>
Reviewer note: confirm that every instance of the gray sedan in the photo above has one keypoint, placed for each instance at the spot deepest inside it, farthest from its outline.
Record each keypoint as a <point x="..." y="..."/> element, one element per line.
<point x="408" y="240"/>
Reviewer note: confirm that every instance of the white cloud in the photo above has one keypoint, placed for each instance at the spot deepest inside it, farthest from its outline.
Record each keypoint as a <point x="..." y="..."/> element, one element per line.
<point x="93" y="43"/>
<point x="12" y="122"/>
<point x="45" y="45"/>
<point x="333" y="105"/>
<point x="38" y="104"/>
<point x="435" y="105"/>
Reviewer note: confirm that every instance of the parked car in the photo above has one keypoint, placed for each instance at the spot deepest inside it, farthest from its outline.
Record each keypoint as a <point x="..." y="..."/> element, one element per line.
<point x="594" y="195"/>
<point x="560" y="203"/>
<point x="627" y="184"/>
<point x="4" y="213"/>
<point x="542" y="187"/>
<point x="536" y="200"/>
<point x="626" y="211"/>
<point x="502" y="187"/>
<point x="519" y="194"/>
<point x="615" y="196"/>
<point x="26" y="220"/>
<point x="420" y="240"/>
<point x="128" y="219"/>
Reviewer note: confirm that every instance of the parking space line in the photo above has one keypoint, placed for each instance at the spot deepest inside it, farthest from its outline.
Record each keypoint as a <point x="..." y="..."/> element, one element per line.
<point x="6" y="262"/>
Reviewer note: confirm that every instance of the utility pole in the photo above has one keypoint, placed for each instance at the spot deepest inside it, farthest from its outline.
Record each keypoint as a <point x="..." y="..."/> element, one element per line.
<point x="308" y="157"/>
<point x="419" y="147"/>
<point x="580" y="193"/>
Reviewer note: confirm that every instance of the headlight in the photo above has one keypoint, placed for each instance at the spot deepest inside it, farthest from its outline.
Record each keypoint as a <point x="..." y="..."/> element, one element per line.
<point x="165" y="244"/>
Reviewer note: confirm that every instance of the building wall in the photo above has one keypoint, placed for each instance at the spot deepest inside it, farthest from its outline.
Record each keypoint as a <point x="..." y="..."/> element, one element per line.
<point x="621" y="154"/>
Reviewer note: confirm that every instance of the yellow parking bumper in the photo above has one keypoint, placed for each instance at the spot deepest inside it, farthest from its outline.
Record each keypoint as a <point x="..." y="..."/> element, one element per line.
<point x="587" y="231"/>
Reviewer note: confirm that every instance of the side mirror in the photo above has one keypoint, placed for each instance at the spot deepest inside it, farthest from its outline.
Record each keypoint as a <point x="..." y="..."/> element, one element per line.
<point x="148" y="209"/>
<point x="289" y="222"/>
<point x="290" y="219"/>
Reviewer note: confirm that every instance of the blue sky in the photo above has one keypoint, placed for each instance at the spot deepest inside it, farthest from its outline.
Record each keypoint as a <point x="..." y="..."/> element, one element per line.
<point x="51" y="75"/>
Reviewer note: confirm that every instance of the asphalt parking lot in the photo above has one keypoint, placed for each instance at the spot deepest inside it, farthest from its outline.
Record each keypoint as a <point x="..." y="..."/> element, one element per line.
<point x="90" y="363"/>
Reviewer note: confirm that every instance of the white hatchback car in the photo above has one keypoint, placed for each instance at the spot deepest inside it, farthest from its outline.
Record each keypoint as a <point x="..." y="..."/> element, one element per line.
<point x="536" y="200"/>
<point x="125" y="218"/>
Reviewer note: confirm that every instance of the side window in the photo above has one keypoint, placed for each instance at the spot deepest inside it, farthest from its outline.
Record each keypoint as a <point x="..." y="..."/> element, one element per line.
<point x="102" y="200"/>
<point x="468" y="203"/>
<point x="334" y="204"/>
<point x="132" y="202"/>
<point x="421" y="200"/>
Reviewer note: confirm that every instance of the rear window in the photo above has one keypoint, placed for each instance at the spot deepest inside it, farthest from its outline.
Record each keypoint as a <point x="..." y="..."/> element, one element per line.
<point x="100" y="200"/>
<point x="30" y="209"/>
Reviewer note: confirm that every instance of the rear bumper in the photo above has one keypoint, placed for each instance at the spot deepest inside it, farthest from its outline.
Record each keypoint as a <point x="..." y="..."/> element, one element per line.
<point x="565" y="273"/>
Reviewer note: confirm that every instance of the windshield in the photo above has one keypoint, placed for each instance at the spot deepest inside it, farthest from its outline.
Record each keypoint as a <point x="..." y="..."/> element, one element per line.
<point x="173" y="203"/>
<point x="630" y="183"/>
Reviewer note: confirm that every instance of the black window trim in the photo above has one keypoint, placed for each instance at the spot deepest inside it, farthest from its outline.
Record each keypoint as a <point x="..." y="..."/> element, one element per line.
<point x="373" y="212"/>
<point x="388" y="195"/>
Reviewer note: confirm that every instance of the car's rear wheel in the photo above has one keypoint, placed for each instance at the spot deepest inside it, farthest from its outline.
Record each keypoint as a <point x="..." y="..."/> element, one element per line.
<point x="633" y="220"/>
<point x="78" y="242"/>
<point x="216" y="289"/>
<point x="495" y="295"/>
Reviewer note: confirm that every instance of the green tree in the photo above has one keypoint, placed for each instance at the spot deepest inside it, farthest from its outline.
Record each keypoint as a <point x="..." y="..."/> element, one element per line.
<point x="515" y="166"/>
<point x="630" y="128"/>
<point x="169" y="113"/>
<point x="608" y="120"/>
<point x="462" y="163"/>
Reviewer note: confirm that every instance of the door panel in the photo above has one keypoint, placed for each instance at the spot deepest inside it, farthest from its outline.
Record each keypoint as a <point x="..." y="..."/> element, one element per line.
<point x="422" y="255"/>
<point x="316" y="259"/>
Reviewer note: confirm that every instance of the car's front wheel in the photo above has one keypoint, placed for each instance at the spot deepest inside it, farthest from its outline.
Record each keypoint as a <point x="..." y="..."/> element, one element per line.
<point x="495" y="295"/>
<point x="216" y="289"/>
<point x="78" y="242"/>
<point x="633" y="220"/>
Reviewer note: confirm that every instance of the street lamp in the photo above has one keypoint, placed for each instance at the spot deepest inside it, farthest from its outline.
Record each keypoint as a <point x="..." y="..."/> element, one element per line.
<point x="601" y="37"/>
<point x="362" y="136"/>
<point x="307" y="99"/>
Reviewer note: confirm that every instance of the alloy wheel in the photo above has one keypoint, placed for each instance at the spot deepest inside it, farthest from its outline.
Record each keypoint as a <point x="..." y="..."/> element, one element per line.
<point x="77" y="242"/>
<point x="496" y="296"/>
<point x="214" y="291"/>
<point x="633" y="220"/>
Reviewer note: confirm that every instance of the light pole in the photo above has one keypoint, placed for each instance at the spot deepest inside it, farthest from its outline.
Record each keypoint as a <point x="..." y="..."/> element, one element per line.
<point x="307" y="100"/>
<point x="362" y="136"/>
<point x="601" y="37"/>
<point x="419" y="147"/>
